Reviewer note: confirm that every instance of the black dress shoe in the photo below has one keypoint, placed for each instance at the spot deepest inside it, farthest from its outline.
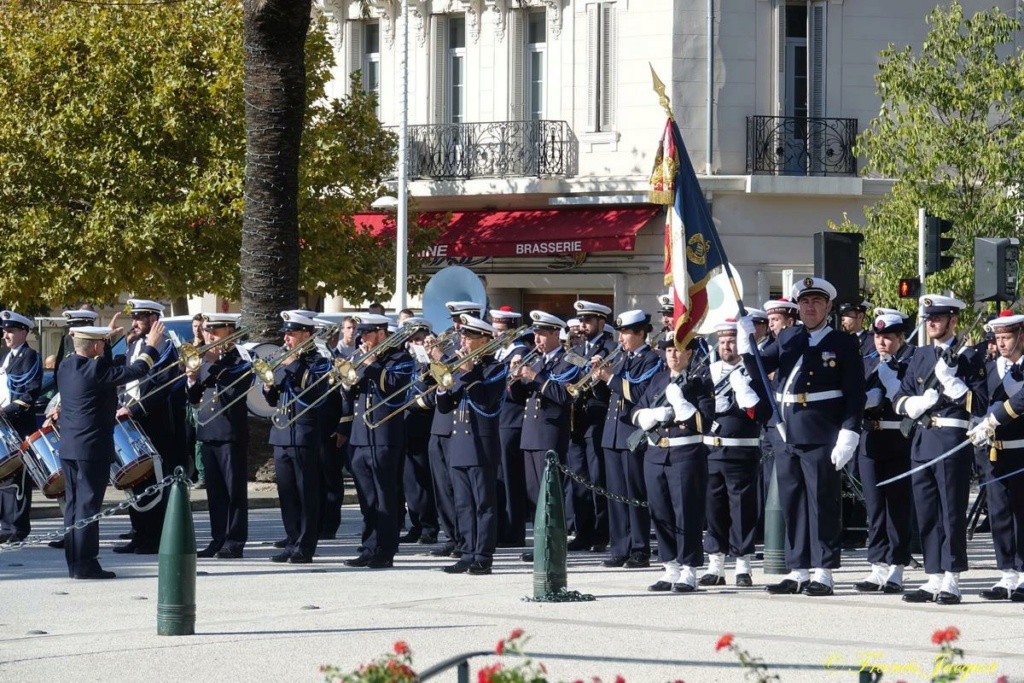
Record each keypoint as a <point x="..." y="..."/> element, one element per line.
<point x="283" y="543"/>
<point x="128" y="535"/>
<point x="598" y="547"/>
<point x="995" y="593"/>
<point x="380" y="563"/>
<point x="281" y="557"/>
<point x="637" y="561"/>
<point x="614" y="561"/>
<point x="456" y="554"/>
<point x="683" y="588"/>
<point x="744" y="580"/>
<point x="96" y="574"/>
<point x="410" y="537"/>
<point x="785" y="587"/>
<point x="457" y="568"/>
<point x="919" y="595"/>
<point x="578" y="544"/>
<point x="4" y="538"/>
<point x="147" y="549"/>
<point x="58" y="544"/>
<point x="945" y="598"/>
<point x="427" y="539"/>
<point x="711" y="580"/>
<point x="892" y="588"/>
<point x="126" y="549"/>
<point x="479" y="569"/>
<point x="229" y="554"/>
<point x="208" y="551"/>
<point x="1017" y="595"/>
<point x="360" y="561"/>
<point x="300" y="558"/>
<point x="443" y="551"/>
<point x="817" y="589"/>
<point x="660" y="587"/>
<point x="867" y="587"/>
<point x="527" y="556"/>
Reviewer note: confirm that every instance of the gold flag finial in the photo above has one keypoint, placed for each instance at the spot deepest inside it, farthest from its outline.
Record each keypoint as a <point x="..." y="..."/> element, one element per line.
<point x="659" y="88"/>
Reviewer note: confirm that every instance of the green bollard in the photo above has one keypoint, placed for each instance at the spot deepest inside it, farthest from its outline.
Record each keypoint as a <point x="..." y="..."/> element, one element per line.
<point x="176" y="606"/>
<point x="774" y="530"/>
<point x="550" y="553"/>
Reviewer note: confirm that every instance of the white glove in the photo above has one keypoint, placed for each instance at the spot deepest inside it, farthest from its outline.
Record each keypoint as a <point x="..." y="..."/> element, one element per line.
<point x="644" y="419"/>
<point x="874" y="398"/>
<point x="984" y="432"/>
<point x="952" y="386"/>
<point x="746" y="397"/>
<point x="744" y="329"/>
<point x="673" y="393"/>
<point x="682" y="408"/>
<point x="845" y="448"/>
<point x="663" y="414"/>
<point x="722" y="404"/>
<point x="889" y="378"/>
<point x="915" y="406"/>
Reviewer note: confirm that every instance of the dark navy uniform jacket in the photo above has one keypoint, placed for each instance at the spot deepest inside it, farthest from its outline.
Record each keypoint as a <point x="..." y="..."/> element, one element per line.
<point x="211" y="393"/>
<point x="289" y="381"/>
<point x="24" y="380"/>
<point x="420" y="414"/>
<point x="1010" y="409"/>
<point x="475" y="401"/>
<point x="628" y="385"/>
<point x="378" y="380"/>
<point x="546" y="417"/>
<point x="1003" y="392"/>
<point x="736" y="422"/>
<point x="591" y="408"/>
<point x="697" y="391"/>
<point x="833" y="364"/>
<point x="88" y="403"/>
<point x="512" y="408"/>
<point x="154" y="413"/>
<point x="884" y="411"/>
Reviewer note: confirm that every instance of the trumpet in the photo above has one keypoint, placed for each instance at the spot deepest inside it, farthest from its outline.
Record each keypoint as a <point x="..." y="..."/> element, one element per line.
<point x="443" y="374"/>
<point x="577" y="388"/>
<point x="513" y="373"/>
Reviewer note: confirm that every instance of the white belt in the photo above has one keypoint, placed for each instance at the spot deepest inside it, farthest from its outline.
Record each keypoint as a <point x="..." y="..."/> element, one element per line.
<point x="1008" y="445"/>
<point x="666" y="442"/>
<point x="809" y="397"/>
<point x="879" y="425"/>
<point x="719" y="441"/>
<point x="947" y="422"/>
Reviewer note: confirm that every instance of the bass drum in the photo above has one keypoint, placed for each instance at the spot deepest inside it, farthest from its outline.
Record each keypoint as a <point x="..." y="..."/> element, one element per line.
<point x="255" y="401"/>
<point x="10" y="449"/>
<point x="41" y="456"/>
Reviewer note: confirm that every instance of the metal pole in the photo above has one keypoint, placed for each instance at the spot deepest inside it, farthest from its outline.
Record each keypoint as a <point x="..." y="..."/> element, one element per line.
<point x="921" y="220"/>
<point x="711" y="89"/>
<point x="402" y="218"/>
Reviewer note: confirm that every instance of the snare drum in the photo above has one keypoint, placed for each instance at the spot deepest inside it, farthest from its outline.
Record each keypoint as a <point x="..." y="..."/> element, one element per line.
<point x="41" y="455"/>
<point x="10" y="449"/>
<point x="134" y="455"/>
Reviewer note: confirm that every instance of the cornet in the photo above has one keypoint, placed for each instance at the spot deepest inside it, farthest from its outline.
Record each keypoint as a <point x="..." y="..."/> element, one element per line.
<point x="580" y="386"/>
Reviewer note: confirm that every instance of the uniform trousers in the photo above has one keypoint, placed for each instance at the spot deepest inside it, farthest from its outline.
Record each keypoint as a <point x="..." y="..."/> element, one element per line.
<point x="732" y="501"/>
<point x="675" y="494"/>
<point x="148" y="524"/>
<point x="590" y="511"/>
<point x="85" y="484"/>
<point x="883" y="455"/>
<point x="227" y="492"/>
<point x="376" y="470"/>
<point x="512" y="500"/>
<point x="535" y="462"/>
<point x="16" y="505"/>
<point x="297" y="469"/>
<point x="1006" y="510"/>
<point x="444" y="496"/>
<point x="809" y="489"/>
<point x="332" y="489"/>
<point x="474" y="506"/>
<point x="629" y="525"/>
<point x="418" y="488"/>
<point x="940" y="498"/>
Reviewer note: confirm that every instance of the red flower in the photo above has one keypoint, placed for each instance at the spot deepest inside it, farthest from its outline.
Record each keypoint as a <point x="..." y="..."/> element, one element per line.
<point x="620" y="679"/>
<point x="401" y="647"/>
<point x="946" y="635"/>
<point x="1003" y="678"/>
<point x="485" y="674"/>
<point x="516" y="633"/>
<point x="723" y="642"/>
<point x="500" y="647"/>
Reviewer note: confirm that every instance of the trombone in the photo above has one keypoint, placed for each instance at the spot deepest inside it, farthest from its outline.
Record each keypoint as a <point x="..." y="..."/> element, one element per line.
<point x="590" y="379"/>
<point x="443" y="374"/>
<point x="523" y="362"/>
<point x="191" y="357"/>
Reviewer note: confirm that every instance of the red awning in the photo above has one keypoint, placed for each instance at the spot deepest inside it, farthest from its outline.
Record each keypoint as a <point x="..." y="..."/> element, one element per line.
<point x="531" y="233"/>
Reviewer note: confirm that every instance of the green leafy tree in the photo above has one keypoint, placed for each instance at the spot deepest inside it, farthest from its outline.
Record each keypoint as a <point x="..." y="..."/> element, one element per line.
<point x="951" y="132"/>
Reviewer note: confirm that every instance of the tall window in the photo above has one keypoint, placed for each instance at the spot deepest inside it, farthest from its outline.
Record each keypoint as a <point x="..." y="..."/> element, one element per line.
<point x="456" y="69"/>
<point x="371" y="60"/>
<point x="536" y="54"/>
<point x="602" y="43"/>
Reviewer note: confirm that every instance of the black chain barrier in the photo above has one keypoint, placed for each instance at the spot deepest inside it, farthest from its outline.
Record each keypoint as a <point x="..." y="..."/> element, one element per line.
<point x="635" y="502"/>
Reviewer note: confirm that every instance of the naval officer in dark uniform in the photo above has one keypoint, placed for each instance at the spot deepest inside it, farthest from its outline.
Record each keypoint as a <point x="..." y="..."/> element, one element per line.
<point x="512" y="502"/>
<point x="223" y="436"/>
<point x="821" y="376"/>
<point x="21" y="379"/>
<point x="66" y="347"/>
<point x="417" y="480"/>
<point x="88" y="384"/>
<point x="475" y="447"/>
<point x="851" y="318"/>
<point x="943" y="414"/>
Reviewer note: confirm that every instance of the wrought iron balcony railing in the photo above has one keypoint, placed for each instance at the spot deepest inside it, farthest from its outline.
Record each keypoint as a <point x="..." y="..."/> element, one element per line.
<point x="493" y="150"/>
<point x="797" y="145"/>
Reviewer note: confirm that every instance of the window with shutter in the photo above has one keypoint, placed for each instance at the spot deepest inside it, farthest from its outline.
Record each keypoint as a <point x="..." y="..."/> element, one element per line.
<point x="456" y="69"/>
<point x="517" y="72"/>
<point x="371" y="60"/>
<point x="440" y="54"/>
<point x="355" y="45"/>
<point x="602" y="49"/>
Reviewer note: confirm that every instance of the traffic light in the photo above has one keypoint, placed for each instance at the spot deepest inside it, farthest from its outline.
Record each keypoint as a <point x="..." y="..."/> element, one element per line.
<point x="910" y="288"/>
<point x="996" y="268"/>
<point x="936" y="246"/>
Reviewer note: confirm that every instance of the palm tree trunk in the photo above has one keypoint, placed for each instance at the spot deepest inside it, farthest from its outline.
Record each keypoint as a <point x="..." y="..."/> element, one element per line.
<point x="275" y="103"/>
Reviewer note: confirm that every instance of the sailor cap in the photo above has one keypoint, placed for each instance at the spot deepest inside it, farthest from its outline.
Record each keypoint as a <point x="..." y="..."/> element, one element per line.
<point x="91" y="332"/>
<point x="889" y="323"/>
<point x="632" y="319"/>
<point x="813" y="285"/>
<point x="10" y="319"/>
<point x="144" y="306"/>
<point x="546" y="321"/>
<point x="214" y="320"/>
<point x="583" y="308"/>
<point x="79" y="317"/>
<point x="296" y="321"/>
<point x="937" y="304"/>
<point x="370" y="322"/>
<point x="475" y="326"/>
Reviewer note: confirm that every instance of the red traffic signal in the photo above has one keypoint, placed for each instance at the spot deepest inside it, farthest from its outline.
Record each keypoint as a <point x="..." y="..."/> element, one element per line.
<point x="910" y="288"/>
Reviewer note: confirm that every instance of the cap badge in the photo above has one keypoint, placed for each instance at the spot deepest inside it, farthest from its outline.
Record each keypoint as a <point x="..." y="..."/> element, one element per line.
<point x="808" y="282"/>
<point x="927" y="302"/>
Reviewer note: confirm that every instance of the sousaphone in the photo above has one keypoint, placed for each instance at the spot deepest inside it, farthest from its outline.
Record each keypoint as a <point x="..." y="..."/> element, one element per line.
<point x="453" y="283"/>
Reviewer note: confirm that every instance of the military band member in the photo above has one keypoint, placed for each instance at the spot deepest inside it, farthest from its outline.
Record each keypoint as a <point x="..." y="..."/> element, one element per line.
<point x="335" y="441"/>
<point x="733" y="438"/>
<point x="512" y="502"/>
<point x="417" y="481"/>
<point x="678" y="409"/>
<point x="782" y="313"/>
<point x="223" y="436"/>
<point x="762" y="332"/>
<point x="377" y="449"/>
<point x="627" y="379"/>
<point x="851" y="317"/>
<point x="1002" y="437"/>
<point x="154" y="413"/>
<point x="21" y="379"/>
<point x="586" y="456"/>
<point x="573" y="333"/>
<point x="66" y="347"/>
<point x="666" y="308"/>
<point x="88" y="382"/>
<point x="942" y="414"/>
<point x="821" y="400"/>
<point x="475" y="447"/>
<point x="297" y="445"/>
<point x="884" y="452"/>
